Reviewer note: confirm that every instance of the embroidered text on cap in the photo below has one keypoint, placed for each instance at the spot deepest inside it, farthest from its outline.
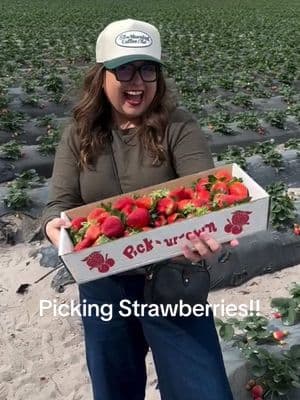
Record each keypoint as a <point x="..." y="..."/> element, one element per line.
<point x="134" y="39"/>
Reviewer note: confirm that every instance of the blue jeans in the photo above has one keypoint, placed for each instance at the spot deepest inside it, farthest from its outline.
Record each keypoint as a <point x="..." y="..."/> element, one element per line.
<point x="185" y="350"/>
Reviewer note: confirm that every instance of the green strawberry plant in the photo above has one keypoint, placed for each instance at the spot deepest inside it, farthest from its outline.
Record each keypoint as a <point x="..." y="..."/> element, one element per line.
<point x="276" y="118"/>
<point x="17" y="196"/>
<point x="10" y="120"/>
<point x="289" y="307"/>
<point x="11" y="150"/>
<point x="48" y="142"/>
<point x="233" y="154"/>
<point x="292" y="143"/>
<point x="243" y="100"/>
<point x="248" y="121"/>
<point x="282" y="206"/>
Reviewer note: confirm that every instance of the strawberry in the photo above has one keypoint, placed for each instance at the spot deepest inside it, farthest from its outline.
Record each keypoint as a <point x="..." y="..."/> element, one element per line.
<point x="201" y="184"/>
<point x="144" y="202"/>
<point x="219" y="187"/>
<point x="166" y="206"/>
<point x="127" y="209"/>
<point x="123" y="202"/>
<point x="277" y="315"/>
<point x="279" y="335"/>
<point x="181" y="193"/>
<point x="223" y="175"/>
<point x="296" y="229"/>
<point x="94" y="214"/>
<point x="174" y="217"/>
<point x="112" y="227"/>
<point x="183" y="204"/>
<point x="203" y="195"/>
<point x="83" y="244"/>
<point x="160" y="221"/>
<point x="257" y="391"/>
<point x="197" y="202"/>
<point x="102" y="217"/>
<point x="224" y="200"/>
<point x="138" y="218"/>
<point x="76" y="223"/>
<point x="238" y="189"/>
<point x="93" y="232"/>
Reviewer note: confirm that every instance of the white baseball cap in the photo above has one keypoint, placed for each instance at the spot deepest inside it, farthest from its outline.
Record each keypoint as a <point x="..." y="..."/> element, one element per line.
<point x="128" y="40"/>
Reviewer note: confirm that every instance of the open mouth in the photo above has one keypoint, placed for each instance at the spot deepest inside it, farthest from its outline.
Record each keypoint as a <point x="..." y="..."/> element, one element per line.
<point x="134" y="97"/>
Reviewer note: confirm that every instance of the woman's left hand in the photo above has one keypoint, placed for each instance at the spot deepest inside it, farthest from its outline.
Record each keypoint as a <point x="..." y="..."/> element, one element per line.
<point x="204" y="247"/>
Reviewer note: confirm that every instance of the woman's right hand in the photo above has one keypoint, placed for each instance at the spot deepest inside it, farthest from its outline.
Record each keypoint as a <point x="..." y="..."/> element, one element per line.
<point x="53" y="229"/>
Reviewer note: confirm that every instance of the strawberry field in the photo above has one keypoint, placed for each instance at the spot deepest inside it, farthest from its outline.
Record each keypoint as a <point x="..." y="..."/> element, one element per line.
<point x="237" y="68"/>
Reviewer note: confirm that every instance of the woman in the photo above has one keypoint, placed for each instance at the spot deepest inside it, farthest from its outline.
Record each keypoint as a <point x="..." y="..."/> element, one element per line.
<point x="127" y="133"/>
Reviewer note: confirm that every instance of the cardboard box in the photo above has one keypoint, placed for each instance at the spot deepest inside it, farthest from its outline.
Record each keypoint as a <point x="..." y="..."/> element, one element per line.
<point x="161" y="243"/>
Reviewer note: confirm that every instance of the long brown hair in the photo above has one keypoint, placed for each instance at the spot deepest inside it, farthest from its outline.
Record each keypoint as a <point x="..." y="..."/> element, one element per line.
<point x="93" y="118"/>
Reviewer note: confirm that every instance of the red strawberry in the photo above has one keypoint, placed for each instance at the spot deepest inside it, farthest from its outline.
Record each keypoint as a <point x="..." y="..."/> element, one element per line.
<point x="174" y="217"/>
<point x="166" y="206"/>
<point x="296" y="229"/>
<point x="279" y="335"/>
<point x="95" y="213"/>
<point x="197" y="202"/>
<point x="181" y="193"/>
<point x="122" y="202"/>
<point x="277" y="315"/>
<point x="93" y="232"/>
<point x="144" y="202"/>
<point x="183" y="204"/>
<point x="112" y="227"/>
<point x="102" y="217"/>
<point x="257" y="391"/>
<point x="219" y="187"/>
<point x="203" y="195"/>
<point x="160" y="221"/>
<point x="223" y="175"/>
<point x="76" y="223"/>
<point x="127" y="209"/>
<point x="201" y="184"/>
<point x="225" y="200"/>
<point x="239" y="189"/>
<point x="83" y="244"/>
<point x="138" y="218"/>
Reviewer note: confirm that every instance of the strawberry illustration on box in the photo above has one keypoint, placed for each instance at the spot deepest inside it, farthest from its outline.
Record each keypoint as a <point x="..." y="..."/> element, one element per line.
<point x="151" y="224"/>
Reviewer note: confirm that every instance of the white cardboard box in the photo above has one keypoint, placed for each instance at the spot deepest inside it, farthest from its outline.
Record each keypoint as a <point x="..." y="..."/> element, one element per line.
<point x="161" y="243"/>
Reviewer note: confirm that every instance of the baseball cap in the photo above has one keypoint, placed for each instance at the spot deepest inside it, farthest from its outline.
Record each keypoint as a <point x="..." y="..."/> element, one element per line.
<point x="128" y="40"/>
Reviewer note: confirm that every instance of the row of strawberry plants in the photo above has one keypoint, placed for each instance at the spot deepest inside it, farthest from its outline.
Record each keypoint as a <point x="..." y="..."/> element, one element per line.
<point x="219" y="122"/>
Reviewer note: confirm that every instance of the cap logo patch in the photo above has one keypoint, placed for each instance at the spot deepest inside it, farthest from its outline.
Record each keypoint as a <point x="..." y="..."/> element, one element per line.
<point x="134" y="39"/>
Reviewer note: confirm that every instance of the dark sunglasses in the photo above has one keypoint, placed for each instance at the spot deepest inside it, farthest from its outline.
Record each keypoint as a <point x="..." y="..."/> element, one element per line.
<point x="125" y="73"/>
